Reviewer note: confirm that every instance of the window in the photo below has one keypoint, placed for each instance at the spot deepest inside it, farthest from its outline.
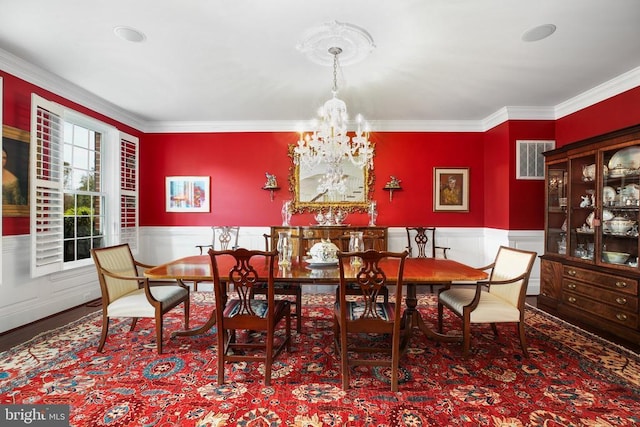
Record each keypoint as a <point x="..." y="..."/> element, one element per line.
<point x="83" y="178"/>
<point x="529" y="158"/>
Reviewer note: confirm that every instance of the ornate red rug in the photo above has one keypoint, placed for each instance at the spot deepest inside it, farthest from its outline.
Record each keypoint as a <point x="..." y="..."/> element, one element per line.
<point x="571" y="378"/>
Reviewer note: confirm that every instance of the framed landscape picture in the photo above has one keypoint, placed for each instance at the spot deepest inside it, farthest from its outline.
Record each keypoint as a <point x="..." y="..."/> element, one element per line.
<point x="451" y="189"/>
<point x="15" y="172"/>
<point x="187" y="194"/>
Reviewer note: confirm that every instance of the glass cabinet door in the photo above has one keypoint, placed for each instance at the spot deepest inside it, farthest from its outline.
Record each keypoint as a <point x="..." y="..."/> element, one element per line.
<point x="620" y="194"/>
<point x="582" y="204"/>
<point x="556" y="237"/>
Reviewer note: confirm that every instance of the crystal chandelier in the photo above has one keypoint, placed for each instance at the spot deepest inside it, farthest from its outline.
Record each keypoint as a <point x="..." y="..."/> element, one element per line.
<point x="328" y="143"/>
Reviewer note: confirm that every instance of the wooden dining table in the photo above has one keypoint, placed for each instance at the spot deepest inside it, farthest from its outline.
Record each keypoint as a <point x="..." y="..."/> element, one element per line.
<point x="417" y="271"/>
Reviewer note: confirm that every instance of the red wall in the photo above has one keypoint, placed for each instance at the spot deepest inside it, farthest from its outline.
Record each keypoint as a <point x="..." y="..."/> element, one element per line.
<point x="617" y="112"/>
<point x="237" y="163"/>
<point x="16" y="112"/>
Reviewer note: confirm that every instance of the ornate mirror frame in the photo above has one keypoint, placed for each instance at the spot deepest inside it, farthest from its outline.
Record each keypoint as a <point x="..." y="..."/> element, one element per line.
<point x="357" y="197"/>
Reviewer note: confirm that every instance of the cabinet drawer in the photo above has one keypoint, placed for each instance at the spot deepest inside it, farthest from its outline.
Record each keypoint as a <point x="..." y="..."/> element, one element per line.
<point x="628" y="319"/>
<point x="617" y="283"/>
<point x="618" y="300"/>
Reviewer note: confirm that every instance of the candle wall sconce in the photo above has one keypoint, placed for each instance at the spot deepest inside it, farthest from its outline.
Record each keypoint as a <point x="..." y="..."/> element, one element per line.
<point x="392" y="185"/>
<point x="271" y="185"/>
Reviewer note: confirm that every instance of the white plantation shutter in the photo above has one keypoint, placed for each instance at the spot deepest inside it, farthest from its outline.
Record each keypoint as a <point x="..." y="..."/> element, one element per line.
<point x="129" y="191"/>
<point x="46" y="187"/>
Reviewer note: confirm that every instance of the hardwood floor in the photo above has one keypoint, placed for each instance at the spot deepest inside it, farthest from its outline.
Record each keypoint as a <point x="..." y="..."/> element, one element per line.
<point x="24" y="333"/>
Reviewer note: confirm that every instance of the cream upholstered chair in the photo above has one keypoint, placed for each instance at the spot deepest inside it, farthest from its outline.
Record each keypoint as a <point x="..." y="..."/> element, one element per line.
<point x="500" y="299"/>
<point x="363" y="314"/>
<point x="126" y="294"/>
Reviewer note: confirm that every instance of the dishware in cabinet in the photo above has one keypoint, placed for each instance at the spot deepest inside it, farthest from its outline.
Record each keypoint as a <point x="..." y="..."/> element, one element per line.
<point x="556" y="209"/>
<point x="620" y="205"/>
<point x="582" y="217"/>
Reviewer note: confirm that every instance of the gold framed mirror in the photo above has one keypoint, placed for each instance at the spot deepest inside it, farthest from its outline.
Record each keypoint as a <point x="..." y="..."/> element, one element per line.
<point x="303" y="184"/>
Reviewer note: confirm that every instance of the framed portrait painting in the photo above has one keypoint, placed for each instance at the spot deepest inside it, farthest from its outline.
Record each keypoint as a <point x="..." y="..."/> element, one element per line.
<point x="451" y="189"/>
<point x="15" y="172"/>
<point x="187" y="194"/>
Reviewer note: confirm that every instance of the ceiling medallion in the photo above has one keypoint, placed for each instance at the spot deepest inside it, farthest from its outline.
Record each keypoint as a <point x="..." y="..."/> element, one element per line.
<point x="356" y="43"/>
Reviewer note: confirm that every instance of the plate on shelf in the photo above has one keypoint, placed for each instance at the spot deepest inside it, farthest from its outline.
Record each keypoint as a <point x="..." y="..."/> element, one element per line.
<point x="608" y="194"/>
<point x="627" y="158"/>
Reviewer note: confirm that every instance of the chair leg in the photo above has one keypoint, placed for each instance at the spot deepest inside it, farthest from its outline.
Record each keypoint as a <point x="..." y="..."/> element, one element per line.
<point x="299" y="310"/>
<point x="195" y="285"/>
<point x="221" y="338"/>
<point x="466" y="338"/>
<point x="187" y="305"/>
<point x="159" y="332"/>
<point x="440" y="313"/>
<point x="343" y="358"/>
<point x="103" y="335"/>
<point x="133" y="323"/>
<point x="523" y="339"/>
<point x="495" y="329"/>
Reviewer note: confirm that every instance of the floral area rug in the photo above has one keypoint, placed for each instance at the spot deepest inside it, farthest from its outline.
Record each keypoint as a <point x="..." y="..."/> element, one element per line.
<point x="571" y="378"/>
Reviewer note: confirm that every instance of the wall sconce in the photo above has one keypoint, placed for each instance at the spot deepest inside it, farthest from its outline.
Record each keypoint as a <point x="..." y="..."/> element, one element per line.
<point x="391" y="186"/>
<point x="271" y="184"/>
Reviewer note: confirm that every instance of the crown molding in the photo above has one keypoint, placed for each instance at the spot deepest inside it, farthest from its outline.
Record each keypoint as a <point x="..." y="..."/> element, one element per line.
<point x="608" y="89"/>
<point x="53" y="83"/>
<point x="517" y="113"/>
<point x="64" y="88"/>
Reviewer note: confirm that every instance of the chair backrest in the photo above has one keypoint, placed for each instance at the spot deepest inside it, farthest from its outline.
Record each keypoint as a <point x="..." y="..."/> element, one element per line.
<point x="247" y="269"/>
<point x="378" y="270"/>
<point x="511" y="263"/>
<point x="225" y="237"/>
<point x="116" y="260"/>
<point x="421" y="242"/>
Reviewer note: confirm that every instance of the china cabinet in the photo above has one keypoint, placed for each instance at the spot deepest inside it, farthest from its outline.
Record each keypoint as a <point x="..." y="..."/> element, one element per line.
<point x="589" y="270"/>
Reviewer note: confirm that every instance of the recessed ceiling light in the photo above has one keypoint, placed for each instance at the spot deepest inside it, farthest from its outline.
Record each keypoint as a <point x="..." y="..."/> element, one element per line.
<point x="129" y="34"/>
<point x="538" y="33"/>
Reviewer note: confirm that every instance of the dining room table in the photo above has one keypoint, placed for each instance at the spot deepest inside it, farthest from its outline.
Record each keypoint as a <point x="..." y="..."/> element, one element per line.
<point x="417" y="271"/>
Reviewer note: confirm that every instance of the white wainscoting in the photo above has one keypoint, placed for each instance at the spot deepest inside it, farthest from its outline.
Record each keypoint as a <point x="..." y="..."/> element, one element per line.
<point x="24" y="300"/>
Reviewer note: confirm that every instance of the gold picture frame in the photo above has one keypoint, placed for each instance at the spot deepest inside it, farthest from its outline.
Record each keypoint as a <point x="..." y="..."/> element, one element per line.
<point x="451" y="189"/>
<point x="15" y="200"/>
<point x="303" y="182"/>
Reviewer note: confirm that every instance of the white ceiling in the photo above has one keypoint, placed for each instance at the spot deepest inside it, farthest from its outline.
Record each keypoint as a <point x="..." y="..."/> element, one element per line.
<point x="235" y="61"/>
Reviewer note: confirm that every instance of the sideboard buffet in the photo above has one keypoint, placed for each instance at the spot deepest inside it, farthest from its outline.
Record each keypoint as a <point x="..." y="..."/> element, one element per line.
<point x="589" y="269"/>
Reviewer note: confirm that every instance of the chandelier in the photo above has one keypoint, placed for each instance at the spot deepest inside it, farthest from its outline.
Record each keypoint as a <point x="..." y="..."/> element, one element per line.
<point x="328" y="143"/>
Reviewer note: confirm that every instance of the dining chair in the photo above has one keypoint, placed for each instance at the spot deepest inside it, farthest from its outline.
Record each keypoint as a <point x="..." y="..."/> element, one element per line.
<point x="363" y="314"/>
<point x="499" y="299"/>
<point x="125" y="293"/>
<point x="284" y="288"/>
<point x="421" y="244"/>
<point x="236" y="310"/>
<point x="223" y="237"/>
<point x="369" y="242"/>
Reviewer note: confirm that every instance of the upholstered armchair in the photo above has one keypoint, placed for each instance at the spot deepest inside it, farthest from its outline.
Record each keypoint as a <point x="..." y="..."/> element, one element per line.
<point x="500" y="299"/>
<point x="127" y="294"/>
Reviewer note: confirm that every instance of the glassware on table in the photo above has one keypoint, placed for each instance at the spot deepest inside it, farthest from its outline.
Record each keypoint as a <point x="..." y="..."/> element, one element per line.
<point x="284" y="248"/>
<point x="356" y="244"/>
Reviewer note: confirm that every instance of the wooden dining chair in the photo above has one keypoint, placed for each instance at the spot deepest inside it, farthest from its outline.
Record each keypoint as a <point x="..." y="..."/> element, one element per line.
<point x="370" y="242"/>
<point x="500" y="299"/>
<point x="363" y="314"/>
<point x="284" y="288"/>
<point x="126" y="294"/>
<point x="421" y="243"/>
<point x="223" y="237"/>
<point x="236" y="310"/>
